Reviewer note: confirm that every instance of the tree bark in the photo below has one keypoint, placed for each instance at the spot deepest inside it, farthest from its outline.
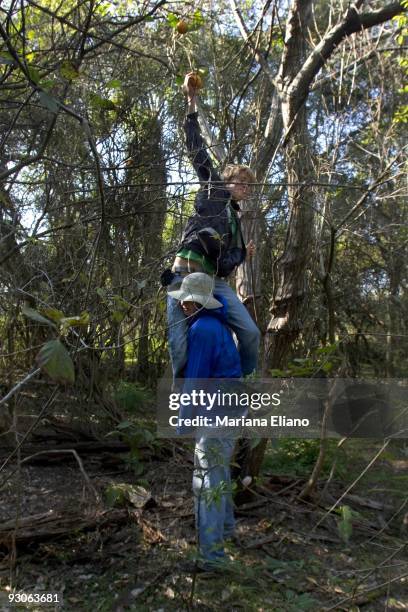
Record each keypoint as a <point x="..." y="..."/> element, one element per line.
<point x="286" y="308"/>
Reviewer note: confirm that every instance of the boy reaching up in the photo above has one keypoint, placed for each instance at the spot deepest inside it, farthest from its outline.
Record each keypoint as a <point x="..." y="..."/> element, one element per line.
<point x="212" y="242"/>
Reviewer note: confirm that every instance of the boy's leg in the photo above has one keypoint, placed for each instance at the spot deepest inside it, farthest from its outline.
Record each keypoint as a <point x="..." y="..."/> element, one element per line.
<point x="241" y="322"/>
<point x="177" y="332"/>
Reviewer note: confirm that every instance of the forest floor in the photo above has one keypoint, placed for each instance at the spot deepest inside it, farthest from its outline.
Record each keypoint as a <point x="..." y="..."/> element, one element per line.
<point x="291" y="556"/>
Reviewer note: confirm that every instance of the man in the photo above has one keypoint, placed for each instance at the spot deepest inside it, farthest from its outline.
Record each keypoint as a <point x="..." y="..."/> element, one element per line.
<point x="212" y="242"/>
<point x="212" y="353"/>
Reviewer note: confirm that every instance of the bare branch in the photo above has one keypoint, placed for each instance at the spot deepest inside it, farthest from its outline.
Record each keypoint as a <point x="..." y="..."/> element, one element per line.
<point x="247" y="38"/>
<point x="18" y="386"/>
<point x="353" y="22"/>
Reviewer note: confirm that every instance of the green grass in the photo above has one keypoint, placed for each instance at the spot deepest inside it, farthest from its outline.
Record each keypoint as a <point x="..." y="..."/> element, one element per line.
<point x="297" y="457"/>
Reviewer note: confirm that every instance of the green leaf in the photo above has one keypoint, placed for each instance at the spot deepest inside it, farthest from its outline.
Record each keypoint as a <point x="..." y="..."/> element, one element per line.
<point x="148" y="436"/>
<point x="30" y="313"/>
<point x="118" y="316"/>
<point x="198" y="17"/>
<point x="34" y="74"/>
<point x="326" y="350"/>
<point x="101" y="292"/>
<point x="122" y="304"/>
<point x="83" y="319"/>
<point x="254" y="443"/>
<point x="401" y="114"/>
<point x="278" y="373"/>
<point x="55" y="360"/>
<point x="68" y="70"/>
<point x="179" y="80"/>
<point x="172" y="20"/>
<point x="121" y="493"/>
<point x="344" y="524"/>
<point x="120" y="308"/>
<point x="104" y="103"/>
<point x="6" y="58"/>
<point x="114" y="84"/>
<point x="48" y="101"/>
<point x="53" y="313"/>
<point x="125" y="425"/>
<point x="197" y="21"/>
<point x="47" y="84"/>
<point x="114" y="496"/>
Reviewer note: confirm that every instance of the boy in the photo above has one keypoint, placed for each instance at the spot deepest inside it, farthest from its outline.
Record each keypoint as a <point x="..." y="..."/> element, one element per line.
<point x="212" y="242"/>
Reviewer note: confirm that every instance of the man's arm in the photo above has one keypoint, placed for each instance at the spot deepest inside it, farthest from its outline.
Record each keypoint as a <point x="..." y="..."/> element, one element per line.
<point x="201" y="345"/>
<point x="196" y="147"/>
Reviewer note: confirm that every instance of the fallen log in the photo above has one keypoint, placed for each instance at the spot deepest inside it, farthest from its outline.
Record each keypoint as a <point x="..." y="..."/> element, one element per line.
<point x="368" y="503"/>
<point x="83" y="448"/>
<point x="50" y="524"/>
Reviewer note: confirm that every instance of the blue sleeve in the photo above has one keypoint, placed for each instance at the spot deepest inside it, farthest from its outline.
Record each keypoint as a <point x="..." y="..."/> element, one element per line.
<point x="201" y="350"/>
<point x="200" y="358"/>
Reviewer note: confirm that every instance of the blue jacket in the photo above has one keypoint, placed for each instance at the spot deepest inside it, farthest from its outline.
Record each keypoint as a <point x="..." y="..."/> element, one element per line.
<point x="211" y="350"/>
<point x="212" y="354"/>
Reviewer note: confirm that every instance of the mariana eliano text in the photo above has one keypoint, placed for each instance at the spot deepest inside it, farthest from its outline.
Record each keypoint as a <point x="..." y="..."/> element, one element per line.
<point x="243" y="421"/>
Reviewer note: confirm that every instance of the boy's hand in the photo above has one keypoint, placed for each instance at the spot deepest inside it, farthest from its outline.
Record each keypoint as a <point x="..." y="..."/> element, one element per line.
<point x="251" y="248"/>
<point x="190" y="85"/>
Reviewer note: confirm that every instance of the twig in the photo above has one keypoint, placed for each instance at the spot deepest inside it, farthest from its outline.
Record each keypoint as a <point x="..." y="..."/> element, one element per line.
<point x="373" y="460"/>
<point x="18" y="386"/>
<point x="381" y="179"/>
<point x="80" y="464"/>
<point x="27" y="433"/>
<point x="369" y="590"/>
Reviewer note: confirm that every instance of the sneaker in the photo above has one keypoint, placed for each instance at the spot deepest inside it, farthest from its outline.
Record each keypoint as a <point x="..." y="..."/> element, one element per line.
<point x="201" y="567"/>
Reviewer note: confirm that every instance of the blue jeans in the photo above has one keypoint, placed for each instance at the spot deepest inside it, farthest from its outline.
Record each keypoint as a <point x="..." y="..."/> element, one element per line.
<point x="238" y="319"/>
<point x="214" y="508"/>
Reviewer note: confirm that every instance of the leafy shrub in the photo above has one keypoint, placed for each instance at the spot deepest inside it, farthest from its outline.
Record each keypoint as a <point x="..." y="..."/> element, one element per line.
<point x="131" y="396"/>
<point x="298" y="456"/>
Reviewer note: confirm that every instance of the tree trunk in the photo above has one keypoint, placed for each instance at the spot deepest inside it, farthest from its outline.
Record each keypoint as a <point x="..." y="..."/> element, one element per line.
<point x="153" y="198"/>
<point x="248" y="277"/>
<point x="286" y="309"/>
<point x="287" y="304"/>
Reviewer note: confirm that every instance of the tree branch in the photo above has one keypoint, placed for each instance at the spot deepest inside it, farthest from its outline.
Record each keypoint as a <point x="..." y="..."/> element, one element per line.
<point x="293" y="52"/>
<point x="125" y="26"/>
<point x="101" y="40"/>
<point x="218" y="149"/>
<point x="353" y="22"/>
<point x="18" y="386"/>
<point x="247" y="38"/>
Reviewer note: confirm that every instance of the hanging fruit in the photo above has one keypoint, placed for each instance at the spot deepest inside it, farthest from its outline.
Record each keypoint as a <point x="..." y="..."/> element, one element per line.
<point x="182" y="26"/>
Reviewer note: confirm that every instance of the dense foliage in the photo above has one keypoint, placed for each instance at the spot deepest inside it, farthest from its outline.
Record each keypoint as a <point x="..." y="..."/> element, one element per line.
<point x="96" y="188"/>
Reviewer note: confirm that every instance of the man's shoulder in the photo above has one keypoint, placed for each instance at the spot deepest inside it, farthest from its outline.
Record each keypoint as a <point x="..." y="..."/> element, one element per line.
<point x="205" y="326"/>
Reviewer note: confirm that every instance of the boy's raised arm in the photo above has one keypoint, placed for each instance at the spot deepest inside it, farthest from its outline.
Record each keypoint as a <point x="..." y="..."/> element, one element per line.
<point x="196" y="146"/>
